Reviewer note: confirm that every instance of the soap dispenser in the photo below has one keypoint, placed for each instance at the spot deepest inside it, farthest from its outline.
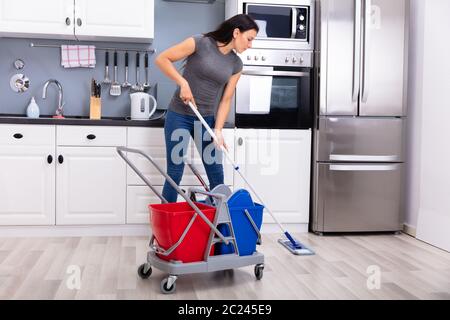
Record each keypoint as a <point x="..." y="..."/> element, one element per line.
<point x="33" y="109"/>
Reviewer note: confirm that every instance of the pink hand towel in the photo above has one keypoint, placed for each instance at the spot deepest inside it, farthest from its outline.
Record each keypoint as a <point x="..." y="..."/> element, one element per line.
<point x="78" y="56"/>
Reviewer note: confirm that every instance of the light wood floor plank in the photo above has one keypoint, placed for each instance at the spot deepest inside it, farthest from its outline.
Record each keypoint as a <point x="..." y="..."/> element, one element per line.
<point x="36" y="268"/>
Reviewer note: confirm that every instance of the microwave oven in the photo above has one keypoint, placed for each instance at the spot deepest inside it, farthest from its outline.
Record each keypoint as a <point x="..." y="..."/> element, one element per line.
<point x="285" y="24"/>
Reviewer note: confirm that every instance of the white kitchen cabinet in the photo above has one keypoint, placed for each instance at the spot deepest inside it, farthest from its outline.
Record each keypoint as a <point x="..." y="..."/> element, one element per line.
<point x="90" y="186"/>
<point x="91" y="177"/>
<point x="277" y="163"/>
<point x="130" y="20"/>
<point x="42" y="19"/>
<point x="27" y="175"/>
<point x="99" y="20"/>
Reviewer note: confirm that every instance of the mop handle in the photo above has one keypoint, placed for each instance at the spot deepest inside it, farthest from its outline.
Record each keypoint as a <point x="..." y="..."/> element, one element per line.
<point x="235" y="166"/>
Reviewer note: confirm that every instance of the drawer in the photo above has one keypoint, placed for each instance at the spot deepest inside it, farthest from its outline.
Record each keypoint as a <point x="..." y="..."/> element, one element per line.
<point x="91" y="136"/>
<point x="359" y="197"/>
<point x="360" y="139"/>
<point x="151" y="141"/>
<point x="146" y="137"/>
<point x="139" y="198"/>
<point x="27" y="134"/>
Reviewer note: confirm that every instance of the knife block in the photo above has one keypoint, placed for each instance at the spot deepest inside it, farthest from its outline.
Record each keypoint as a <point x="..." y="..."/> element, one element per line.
<point x="95" y="108"/>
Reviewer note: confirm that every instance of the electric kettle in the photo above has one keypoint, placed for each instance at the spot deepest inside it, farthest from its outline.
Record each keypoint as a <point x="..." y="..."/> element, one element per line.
<point x="140" y="106"/>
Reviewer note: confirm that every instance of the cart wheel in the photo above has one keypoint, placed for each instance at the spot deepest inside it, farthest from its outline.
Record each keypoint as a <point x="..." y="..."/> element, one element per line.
<point x="259" y="268"/>
<point x="164" y="288"/>
<point x="142" y="274"/>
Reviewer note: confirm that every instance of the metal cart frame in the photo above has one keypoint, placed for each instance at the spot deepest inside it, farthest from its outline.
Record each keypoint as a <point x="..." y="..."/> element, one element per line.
<point x="217" y="198"/>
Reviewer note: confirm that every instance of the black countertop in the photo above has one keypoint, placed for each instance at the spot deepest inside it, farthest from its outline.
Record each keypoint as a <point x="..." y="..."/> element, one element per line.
<point x="156" y="121"/>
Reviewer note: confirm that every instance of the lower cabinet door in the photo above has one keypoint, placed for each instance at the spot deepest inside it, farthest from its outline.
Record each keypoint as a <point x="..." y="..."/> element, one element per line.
<point x="90" y="186"/>
<point x="27" y="185"/>
<point x="277" y="165"/>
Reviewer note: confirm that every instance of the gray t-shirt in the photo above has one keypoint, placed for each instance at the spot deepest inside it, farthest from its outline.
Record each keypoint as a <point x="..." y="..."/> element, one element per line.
<point x="207" y="71"/>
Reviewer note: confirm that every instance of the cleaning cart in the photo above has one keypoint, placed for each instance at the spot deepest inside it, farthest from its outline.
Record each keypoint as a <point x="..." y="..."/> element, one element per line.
<point x="186" y="234"/>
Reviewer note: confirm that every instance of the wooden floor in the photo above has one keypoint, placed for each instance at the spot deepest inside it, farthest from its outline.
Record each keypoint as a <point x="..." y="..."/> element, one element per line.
<point x="45" y="268"/>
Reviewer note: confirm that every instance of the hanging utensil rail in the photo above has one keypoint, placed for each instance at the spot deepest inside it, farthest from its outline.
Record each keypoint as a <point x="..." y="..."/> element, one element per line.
<point x="151" y="51"/>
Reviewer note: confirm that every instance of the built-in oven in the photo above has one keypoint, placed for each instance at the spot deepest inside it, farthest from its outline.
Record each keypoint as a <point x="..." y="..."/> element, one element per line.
<point x="275" y="90"/>
<point x="285" y="24"/>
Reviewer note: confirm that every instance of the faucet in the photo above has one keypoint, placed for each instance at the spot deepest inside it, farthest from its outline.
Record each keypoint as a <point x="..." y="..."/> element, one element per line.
<point x="59" y="110"/>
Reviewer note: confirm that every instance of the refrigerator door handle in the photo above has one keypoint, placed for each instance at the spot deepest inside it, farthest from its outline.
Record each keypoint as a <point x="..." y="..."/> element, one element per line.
<point x="357" y="51"/>
<point x="366" y="51"/>
<point x="363" y="158"/>
<point x="340" y="167"/>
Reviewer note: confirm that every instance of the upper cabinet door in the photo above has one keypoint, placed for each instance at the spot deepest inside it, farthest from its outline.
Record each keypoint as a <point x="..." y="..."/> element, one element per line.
<point x="42" y="19"/>
<point x="131" y="20"/>
<point x="383" y="63"/>
<point x="340" y="49"/>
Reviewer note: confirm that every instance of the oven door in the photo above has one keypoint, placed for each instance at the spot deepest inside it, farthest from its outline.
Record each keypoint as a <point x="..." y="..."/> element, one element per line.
<point x="274" y="98"/>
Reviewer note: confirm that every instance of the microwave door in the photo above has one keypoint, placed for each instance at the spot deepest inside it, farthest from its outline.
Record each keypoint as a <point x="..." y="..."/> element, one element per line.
<point x="341" y="43"/>
<point x="383" y="63"/>
<point x="274" y="21"/>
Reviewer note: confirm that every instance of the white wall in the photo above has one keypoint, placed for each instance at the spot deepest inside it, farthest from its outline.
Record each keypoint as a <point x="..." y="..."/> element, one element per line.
<point x="428" y="196"/>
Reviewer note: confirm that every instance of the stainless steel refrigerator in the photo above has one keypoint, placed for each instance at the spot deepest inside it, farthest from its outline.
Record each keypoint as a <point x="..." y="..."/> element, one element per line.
<point x="361" y="63"/>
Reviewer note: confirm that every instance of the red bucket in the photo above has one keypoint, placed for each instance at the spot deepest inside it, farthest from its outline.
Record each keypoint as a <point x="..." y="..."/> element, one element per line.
<point x="168" y="223"/>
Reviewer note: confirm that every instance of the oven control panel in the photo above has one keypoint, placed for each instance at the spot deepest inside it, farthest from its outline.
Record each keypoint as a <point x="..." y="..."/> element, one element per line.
<point x="267" y="57"/>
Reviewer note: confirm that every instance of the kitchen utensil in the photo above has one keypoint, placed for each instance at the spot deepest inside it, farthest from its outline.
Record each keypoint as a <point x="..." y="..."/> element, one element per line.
<point x="19" y="83"/>
<point x="107" y="80"/>
<point x="137" y="86"/>
<point x="140" y="106"/>
<point x="115" y="89"/>
<point x="146" y="85"/>
<point x="126" y="84"/>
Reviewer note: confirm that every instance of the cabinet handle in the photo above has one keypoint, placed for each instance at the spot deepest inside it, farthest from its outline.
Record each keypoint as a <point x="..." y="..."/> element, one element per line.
<point x="240" y="142"/>
<point x="18" y="136"/>
<point x="67" y="21"/>
<point x="60" y="159"/>
<point x="79" y="22"/>
<point x="49" y="159"/>
<point x="91" y="136"/>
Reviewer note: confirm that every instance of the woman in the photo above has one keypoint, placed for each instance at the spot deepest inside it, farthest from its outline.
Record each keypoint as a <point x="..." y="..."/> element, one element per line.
<point x="211" y="65"/>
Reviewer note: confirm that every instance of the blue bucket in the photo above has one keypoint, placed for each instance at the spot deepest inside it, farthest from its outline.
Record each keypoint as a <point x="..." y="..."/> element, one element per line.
<point x="246" y="236"/>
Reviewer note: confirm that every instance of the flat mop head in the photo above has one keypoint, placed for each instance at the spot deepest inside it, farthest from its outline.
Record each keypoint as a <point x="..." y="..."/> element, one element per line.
<point x="297" y="249"/>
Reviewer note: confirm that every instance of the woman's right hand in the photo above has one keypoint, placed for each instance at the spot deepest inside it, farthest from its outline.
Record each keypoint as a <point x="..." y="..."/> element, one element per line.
<point x="186" y="94"/>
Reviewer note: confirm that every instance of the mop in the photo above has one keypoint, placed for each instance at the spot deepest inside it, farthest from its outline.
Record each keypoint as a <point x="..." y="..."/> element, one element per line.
<point x="293" y="245"/>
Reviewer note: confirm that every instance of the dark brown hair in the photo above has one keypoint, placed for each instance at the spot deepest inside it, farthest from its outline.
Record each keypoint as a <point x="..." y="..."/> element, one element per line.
<point x="224" y="33"/>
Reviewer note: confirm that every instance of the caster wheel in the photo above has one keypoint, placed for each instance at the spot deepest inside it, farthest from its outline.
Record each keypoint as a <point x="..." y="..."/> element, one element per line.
<point x="142" y="274"/>
<point x="259" y="268"/>
<point x="165" y="289"/>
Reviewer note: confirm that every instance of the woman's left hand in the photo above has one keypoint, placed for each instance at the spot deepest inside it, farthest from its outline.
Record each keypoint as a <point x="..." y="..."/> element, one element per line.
<point x="220" y="140"/>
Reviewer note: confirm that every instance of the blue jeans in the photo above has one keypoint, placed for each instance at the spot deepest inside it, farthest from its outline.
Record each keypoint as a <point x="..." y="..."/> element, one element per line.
<point x="178" y="129"/>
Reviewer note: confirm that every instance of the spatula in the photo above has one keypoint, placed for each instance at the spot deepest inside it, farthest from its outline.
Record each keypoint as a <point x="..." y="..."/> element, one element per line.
<point x="115" y="89"/>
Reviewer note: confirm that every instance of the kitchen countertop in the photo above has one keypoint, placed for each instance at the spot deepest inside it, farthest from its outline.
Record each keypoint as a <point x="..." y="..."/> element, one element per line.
<point x="83" y="120"/>
<point x="157" y="122"/>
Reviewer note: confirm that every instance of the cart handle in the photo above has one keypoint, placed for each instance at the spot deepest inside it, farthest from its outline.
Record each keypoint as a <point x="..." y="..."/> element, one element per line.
<point x="121" y="151"/>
